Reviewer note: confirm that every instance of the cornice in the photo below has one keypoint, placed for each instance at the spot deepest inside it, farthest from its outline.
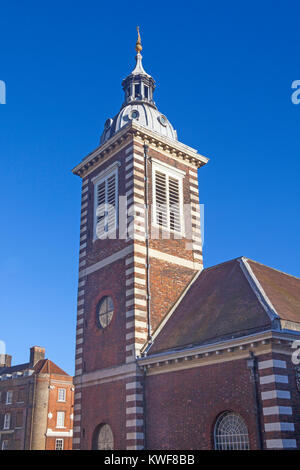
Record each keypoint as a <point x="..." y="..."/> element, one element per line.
<point x="216" y="352"/>
<point x="97" y="377"/>
<point x="125" y="135"/>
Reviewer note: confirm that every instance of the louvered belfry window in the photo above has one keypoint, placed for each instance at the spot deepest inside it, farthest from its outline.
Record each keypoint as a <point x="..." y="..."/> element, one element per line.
<point x="106" y="205"/>
<point x="168" y="201"/>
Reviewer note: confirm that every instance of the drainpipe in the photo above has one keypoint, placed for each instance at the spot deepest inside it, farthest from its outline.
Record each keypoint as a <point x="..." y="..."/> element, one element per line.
<point x="26" y="414"/>
<point x="252" y="365"/>
<point x="32" y="409"/>
<point x="144" y="408"/>
<point x="148" y="294"/>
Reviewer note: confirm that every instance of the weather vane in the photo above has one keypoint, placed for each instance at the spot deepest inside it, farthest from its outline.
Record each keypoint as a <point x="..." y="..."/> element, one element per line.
<point x="138" y="46"/>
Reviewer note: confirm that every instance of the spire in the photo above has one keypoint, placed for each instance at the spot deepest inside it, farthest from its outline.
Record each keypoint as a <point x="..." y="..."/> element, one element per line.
<point x="139" y="85"/>
<point x="139" y="69"/>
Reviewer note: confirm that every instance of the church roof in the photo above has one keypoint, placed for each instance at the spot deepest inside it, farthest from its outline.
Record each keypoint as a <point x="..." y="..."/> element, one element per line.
<point x="233" y="299"/>
<point x="282" y="289"/>
<point x="16" y="368"/>
<point x="45" y="366"/>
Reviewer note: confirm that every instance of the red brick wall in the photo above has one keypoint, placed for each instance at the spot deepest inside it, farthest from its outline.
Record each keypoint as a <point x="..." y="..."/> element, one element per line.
<point x="56" y="382"/>
<point x="19" y="405"/>
<point x="168" y="281"/>
<point x="51" y="443"/>
<point x="105" y="347"/>
<point x="182" y="406"/>
<point x="104" y="403"/>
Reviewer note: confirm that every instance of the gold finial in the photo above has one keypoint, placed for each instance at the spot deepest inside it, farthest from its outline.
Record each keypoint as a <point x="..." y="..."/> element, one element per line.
<point x="138" y="46"/>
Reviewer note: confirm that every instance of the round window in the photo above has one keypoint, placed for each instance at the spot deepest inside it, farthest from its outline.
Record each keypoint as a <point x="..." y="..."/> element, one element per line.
<point x="105" y="311"/>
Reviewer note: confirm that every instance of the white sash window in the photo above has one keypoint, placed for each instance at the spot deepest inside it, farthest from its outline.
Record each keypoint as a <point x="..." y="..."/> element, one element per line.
<point x="60" y="419"/>
<point x="6" y="424"/>
<point x="61" y="394"/>
<point x="9" y="395"/>
<point x="59" y="444"/>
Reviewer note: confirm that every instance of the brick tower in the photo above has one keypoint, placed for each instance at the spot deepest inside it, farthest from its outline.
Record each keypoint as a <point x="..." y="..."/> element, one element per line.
<point x="140" y="246"/>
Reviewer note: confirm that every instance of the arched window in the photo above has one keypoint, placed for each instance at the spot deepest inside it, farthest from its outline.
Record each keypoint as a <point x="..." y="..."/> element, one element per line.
<point x="231" y="432"/>
<point x="103" y="438"/>
<point x="105" y="311"/>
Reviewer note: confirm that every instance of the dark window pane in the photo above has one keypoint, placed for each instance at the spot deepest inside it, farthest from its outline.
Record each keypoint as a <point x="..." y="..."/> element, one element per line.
<point x="137" y="90"/>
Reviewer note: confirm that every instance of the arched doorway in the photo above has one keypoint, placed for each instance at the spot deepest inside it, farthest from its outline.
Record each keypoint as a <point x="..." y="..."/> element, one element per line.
<point x="103" y="438"/>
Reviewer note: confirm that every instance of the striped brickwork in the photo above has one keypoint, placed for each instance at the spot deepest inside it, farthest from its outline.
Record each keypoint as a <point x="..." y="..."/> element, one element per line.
<point x="277" y="410"/>
<point x="80" y="313"/>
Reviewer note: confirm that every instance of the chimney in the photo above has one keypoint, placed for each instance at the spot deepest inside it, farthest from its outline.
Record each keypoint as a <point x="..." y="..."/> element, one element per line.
<point x="5" y="360"/>
<point x="36" y="353"/>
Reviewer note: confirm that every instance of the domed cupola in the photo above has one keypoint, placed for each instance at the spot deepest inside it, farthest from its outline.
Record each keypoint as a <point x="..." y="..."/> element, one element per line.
<point x="138" y="86"/>
<point x="138" y="103"/>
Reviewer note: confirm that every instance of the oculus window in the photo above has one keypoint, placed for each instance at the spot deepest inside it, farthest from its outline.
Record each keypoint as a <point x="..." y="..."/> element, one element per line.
<point x="105" y="311"/>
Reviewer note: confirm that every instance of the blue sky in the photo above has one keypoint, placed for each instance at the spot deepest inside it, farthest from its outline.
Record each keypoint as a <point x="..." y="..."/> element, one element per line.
<point x="223" y="72"/>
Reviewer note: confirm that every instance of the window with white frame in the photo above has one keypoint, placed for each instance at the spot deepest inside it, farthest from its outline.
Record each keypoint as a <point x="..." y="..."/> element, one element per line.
<point x="231" y="432"/>
<point x="60" y="419"/>
<point x="168" y="197"/>
<point x="6" y="424"/>
<point x="9" y="395"/>
<point x="106" y="203"/>
<point x="4" y="445"/>
<point x="59" y="444"/>
<point x="61" y="394"/>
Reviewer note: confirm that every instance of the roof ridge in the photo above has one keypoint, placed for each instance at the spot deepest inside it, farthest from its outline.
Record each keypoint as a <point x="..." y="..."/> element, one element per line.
<point x="258" y="289"/>
<point x="270" y="267"/>
<point x="223" y="262"/>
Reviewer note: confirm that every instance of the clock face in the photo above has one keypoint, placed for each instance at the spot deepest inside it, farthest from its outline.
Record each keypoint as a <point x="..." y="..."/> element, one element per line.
<point x="134" y="114"/>
<point x="163" y="120"/>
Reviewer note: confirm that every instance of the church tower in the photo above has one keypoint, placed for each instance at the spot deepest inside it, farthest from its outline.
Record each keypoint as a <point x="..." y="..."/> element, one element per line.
<point x="140" y="247"/>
